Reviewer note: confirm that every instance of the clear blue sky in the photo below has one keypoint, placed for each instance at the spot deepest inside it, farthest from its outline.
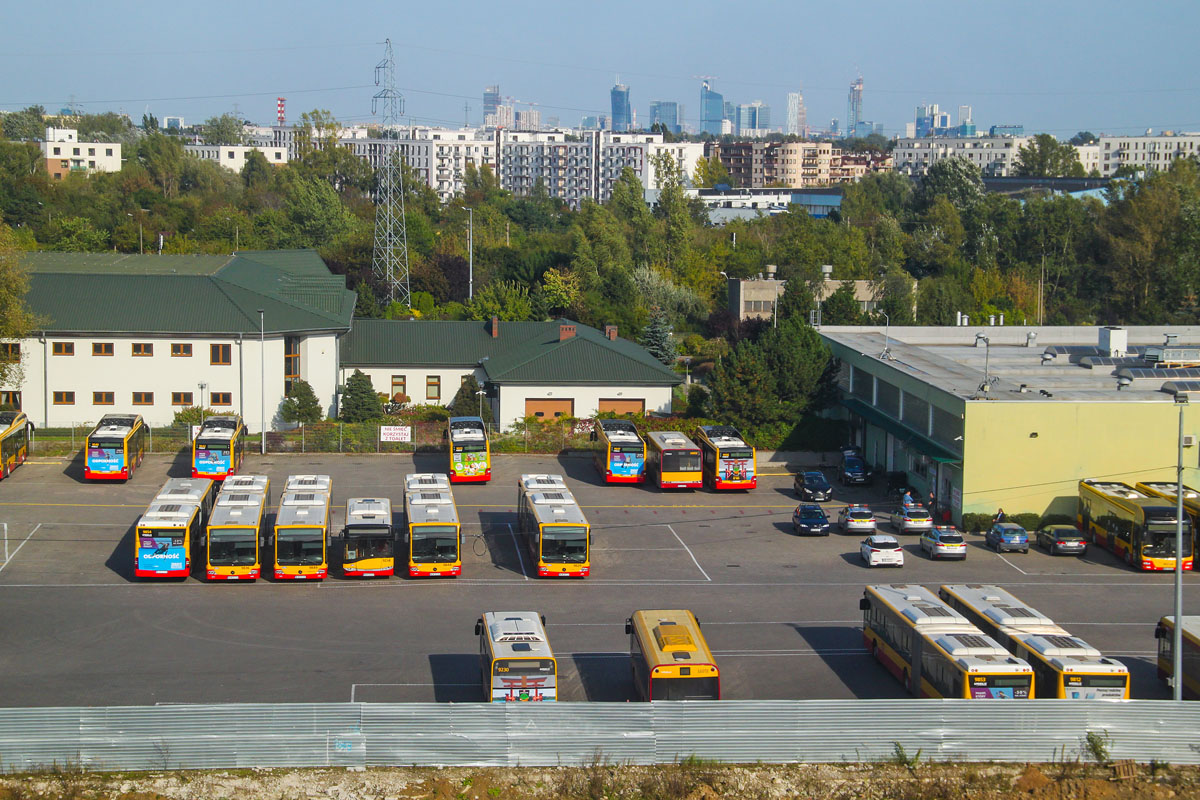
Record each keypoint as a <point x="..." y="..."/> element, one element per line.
<point x="1054" y="66"/>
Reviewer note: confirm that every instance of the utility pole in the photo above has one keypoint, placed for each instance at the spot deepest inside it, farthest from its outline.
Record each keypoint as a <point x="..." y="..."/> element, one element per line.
<point x="470" y="252"/>
<point x="389" y="260"/>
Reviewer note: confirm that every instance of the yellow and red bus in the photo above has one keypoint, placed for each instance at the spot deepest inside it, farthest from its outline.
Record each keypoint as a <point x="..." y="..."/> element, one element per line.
<point x="934" y="651"/>
<point x="232" y="538"/>
<point x="1135" y="526"/>
<point x="556" y="534"/>
<point x="670" y="659"/>
<point x="173" y="523"/>
<point x="1164" y="632"/>
<point x="516" y="664"/>
<point x="621" y="457"/>
<point x="369" y="539"/>
<point x="14" y="440"/>
<point x="728" y="462"/>
<point x="219" y="447"/>
<point x="115" y="447"/>
<point x="1168" y="491"/>
<point x="470" y="453"/>
<point x="431" y="522"/>
<point x="673" y="461"/>
<point x="301" y="530"/>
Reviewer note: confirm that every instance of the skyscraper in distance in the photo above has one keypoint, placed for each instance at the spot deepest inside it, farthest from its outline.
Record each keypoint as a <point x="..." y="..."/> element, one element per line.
<point x="491" y="99"/>
<point x="754" y="117"/>
<point x="854" y="103"/>
<point x="712" y="110"/>
<point x="667" y="113"/>
<point x="796" y="123"/>
<point x="622" y="118"/>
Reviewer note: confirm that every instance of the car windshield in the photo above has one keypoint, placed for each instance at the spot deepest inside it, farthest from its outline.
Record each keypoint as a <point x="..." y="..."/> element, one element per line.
<point x="434" y="544"/>
<point x="884" y="545"/>
<point x="815" y="480"/>
<point x="854" y="465"/>
<point x="233" y="548"/>
<point x="300" y="547"/>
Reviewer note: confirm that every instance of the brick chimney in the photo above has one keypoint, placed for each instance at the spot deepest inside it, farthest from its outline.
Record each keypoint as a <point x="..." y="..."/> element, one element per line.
<point x="565" y="332"/>
<point x="610" y="332"/>
<point x="495" y="327"/>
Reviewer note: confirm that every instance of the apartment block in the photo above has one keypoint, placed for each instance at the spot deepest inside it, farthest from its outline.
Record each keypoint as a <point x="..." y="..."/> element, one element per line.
<point x="233" y="157"/>
<point x="65" y="154"/>
<point x="1150" y="153"/>
<point x="994" y="155"/>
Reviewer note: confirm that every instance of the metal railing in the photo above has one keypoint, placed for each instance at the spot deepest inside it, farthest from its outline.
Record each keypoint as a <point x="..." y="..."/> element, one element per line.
<point x="480" y="734"/>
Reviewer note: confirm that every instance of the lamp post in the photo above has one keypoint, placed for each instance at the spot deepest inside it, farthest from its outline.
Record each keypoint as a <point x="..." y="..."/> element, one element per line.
<point x="470" y="251"/>
<point x="141" y="248"/>
<point x="202" y="386"/>
<point x="480" y="395"/>
<point x="237" y="234"/>
<point x="1181" y="400"/>
<point x="262" y="381"/>
<point x="887" y="332"/>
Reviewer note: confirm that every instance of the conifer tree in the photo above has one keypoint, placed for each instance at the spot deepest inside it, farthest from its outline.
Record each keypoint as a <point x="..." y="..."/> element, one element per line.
<point x="360" y="403"/>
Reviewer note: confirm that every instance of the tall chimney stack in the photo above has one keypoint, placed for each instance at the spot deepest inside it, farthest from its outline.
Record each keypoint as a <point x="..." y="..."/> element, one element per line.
<point x="495" y="327"/>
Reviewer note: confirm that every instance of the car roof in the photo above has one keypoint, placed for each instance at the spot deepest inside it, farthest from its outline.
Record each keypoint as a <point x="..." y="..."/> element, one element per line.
<point x="1060" y="527"/>
<point x="810" y="507"/>
<point x="814" y="474"/>
<point x="939" y="532"/>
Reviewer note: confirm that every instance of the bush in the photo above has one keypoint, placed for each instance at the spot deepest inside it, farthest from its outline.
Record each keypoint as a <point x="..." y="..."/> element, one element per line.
<point x="1027" y="520"/>
<point x="194" y="415"/>
<point x="974" y="523"/>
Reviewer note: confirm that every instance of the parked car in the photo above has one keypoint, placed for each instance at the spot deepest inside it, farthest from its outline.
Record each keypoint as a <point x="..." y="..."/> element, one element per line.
<point x="1062" y="540"/>
<point x="882" y="550"/>
<point x="1007" y="536"/>
<point x="853" y="469"/>
<point x="809" y="519"/>
<point x="856" y="519"/>
<point x="812" y="486"/>
<point x="914" y="519"/>
<point x="944" y="541"/>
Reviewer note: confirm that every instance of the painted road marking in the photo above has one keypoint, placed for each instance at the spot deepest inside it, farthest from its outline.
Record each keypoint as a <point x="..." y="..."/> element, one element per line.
<point x="517" y="547"/>
<point x="22" y="544"/>
<point x="1014" y="566"/>
<point x="690" y="553"/>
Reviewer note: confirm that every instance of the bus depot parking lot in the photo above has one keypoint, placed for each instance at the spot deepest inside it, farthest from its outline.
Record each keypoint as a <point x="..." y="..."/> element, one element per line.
<point x="779" y="611"/>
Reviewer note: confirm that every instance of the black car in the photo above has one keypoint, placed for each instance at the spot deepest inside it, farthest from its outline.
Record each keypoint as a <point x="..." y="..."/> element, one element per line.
<point x="813" y="486"/>
<point x="854" y="469"/>
<point x="1062" y="540"/>
<point x="810" y="520"/>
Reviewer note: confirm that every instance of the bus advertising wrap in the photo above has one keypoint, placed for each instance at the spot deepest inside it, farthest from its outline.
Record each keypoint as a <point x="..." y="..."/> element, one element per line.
<point x="628" y="465"/>
<point x="105" y="457"/>
<point x="160" y="553"/>
<point x="212" y="462"/>
<point x="469" y="463"/>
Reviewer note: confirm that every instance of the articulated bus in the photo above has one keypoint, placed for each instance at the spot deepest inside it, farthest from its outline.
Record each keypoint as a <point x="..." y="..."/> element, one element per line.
<point x="1165" y="634"/>
<point x="622" y="454"/>
<point x="301" y="528"/>
<point x="556" y="533"/>
<point x="671" y="660"/>
<point x="515" y="659"/>
<point x="219" y="447"/>
<point x="673" y="461"/>
<point x="1168" y="490"/>
<point x="232" y="539"/>
<point x="470" y="454"/>
<point x="728" y="460"/>
<point x="368" y="540"/>
<point x="434" y="532"/>
<point x="935" y="651"/>
<point x="1133" y="525"/>
<point x="14" y="440"/>
<point x="1064" y="666"/>
<point x="115" y="447"/>
<point x="172" y="524"/>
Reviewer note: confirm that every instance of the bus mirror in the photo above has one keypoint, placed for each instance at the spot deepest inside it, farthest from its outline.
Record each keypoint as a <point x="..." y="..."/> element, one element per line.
<point x="592" y="437"/>
<point x="864" y="604"/>
<point x="543" y="616"/>
<point x="628" y="626"/>
<point x="479" y="627"/>
<point x="1160" y="632"/>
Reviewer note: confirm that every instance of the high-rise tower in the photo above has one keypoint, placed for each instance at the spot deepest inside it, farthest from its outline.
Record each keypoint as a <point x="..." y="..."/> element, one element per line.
<point x="797" y="118"/>
<point x="854" y="106"/>
<point x="491" y="99"/>
<point x="712" y="110"/>
<point x="622" y="118"/>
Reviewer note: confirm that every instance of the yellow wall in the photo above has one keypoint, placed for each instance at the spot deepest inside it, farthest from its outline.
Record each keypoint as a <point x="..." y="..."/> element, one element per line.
<point x="1128" y="442"/>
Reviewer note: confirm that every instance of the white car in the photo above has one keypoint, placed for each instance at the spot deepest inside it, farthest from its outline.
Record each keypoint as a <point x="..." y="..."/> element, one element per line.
<point x="914" y="519"/>
<point x="856" y="519"/>
<point x="944" y="541"/>
<point x="882" y="550"/>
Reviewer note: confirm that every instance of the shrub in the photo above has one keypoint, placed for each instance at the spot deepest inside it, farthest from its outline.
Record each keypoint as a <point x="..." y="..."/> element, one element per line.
<point x="1027" y="520"/>
<point x="974" y="523"/>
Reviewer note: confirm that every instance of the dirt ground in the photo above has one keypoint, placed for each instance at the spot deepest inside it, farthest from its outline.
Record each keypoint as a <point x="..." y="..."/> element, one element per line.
<point x="685" y="781"/>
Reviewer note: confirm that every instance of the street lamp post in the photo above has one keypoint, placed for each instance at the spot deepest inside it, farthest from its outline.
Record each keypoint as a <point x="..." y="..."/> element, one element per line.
<point x="202" y="386"/>
<point x="480" y="395"/>
<point x="470" y="251"/>
<point x="262" y="381"/>
<point x="141" y="248"/>
<point x="1177" y="633"/>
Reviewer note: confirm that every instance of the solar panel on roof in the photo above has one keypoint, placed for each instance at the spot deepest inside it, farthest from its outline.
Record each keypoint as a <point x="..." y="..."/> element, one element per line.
<point x="1062" y="641"/>
<point x="1158" y="372"/>
<point x="1178" y="387"/>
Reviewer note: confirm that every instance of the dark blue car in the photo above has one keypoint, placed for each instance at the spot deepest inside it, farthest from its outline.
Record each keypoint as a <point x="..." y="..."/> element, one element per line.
<point x="809" y="520"/>
<point x="1007" y="537"/>
<point x="854" y="469"/>
<point x="812" y="486"/>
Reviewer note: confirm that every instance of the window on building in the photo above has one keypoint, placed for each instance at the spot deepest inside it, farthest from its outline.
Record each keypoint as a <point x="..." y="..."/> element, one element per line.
<point x="10" y="399"/>
<point x="143" y="349"/>
<point x="63" y="348"/>
<point x="399" y="386"/>
<point x="291" y="362"/>
<point x="221" y="399"/>
<point x="75" y="151"/>
<point x="64" y="398"/>
<point x="91" y="151"/>
<point x="108" y="151"/>
<point x="58" y="151"/>
<point x="103" y="398"/>
<point x="181" y="350"/>
<point x="102" y="348"/>
<point x="10" y="351"/>
<point x="143" y="398"/>
<point x="433" y="387"/>
<point x="221" y="354"/>
<point x="181" y="398"/>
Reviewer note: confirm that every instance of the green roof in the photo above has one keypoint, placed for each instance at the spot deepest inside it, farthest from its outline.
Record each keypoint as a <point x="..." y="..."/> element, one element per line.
<point x="118" y="293"/>
<point x="523" y="353"/>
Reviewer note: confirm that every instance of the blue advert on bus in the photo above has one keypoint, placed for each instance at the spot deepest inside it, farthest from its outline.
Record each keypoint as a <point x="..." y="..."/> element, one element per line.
<point x="211" y="462"/>
<point x="629" y="465"/>
<point x="105" y="457"/>
<point x="161" y="553"/>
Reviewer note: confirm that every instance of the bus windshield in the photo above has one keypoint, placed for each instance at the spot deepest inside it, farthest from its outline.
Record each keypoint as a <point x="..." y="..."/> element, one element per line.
<point x="564" y="544"/>
<point x="368" y="542"/>
<point x="232" y="548"/>
<point x="300" y="546"/>
<point x="434" y="544"/>
<point x="1160" y="540"/>
<point x="681" y="461"/>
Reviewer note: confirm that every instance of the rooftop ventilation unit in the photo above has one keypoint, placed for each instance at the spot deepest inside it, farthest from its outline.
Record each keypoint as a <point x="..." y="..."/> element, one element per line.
<point x="1114" y="342"/>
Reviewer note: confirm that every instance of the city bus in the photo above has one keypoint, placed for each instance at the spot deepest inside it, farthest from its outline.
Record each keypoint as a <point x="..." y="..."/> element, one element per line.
<point x="671" y="660"/>
<point x="673" y="461"/>
<point x="232" y="537"/>
<point x="189" y="490"/>
<point x="621" y="457"/>
<point x="115" y="447"/>
<point x="1165" y="634"/>
<point x="936" y="652"/>
<point x="1064" y="666"/>
<point x="516" y="663"/>
<point x="14" y="440"/>
<point x="301" y="528"/>
<point x="248" y="483"/>
<point x="368" y="540"/>
<point x="728" y="462"/>
<point x="219" y="447"/>
<point x="431" y="522"/>
<point x="470" y="453"/>
<point x="1133" y="525"/>
<point x="555" y="531"/>
<point x="163" y="539"/>
<point x="1168" y="491"/>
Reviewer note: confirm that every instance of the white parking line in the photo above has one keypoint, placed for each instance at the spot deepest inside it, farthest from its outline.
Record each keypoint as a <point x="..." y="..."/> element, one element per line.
<point x="22" y="544"/>
<point x="1011" y="564"/>
<point x="690" y="553"/>
<point x="517" y="547"/>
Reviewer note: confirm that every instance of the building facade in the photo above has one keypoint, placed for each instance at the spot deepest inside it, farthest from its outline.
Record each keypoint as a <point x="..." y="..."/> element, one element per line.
<point x="233" y="157"/>
<point x="994" y="155"/>
<point x="622" y="117"/>
<point x="796" y="123"/>
<point x="65" y="154"/>
<point x="666" y="113"/>
<point x="712" y="110"/>
<point x="1149" y="153"/>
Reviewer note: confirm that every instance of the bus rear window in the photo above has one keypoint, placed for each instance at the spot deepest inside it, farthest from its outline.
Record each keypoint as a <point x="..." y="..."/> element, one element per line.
<point x="737" y="453"/>
<point x="684" y="689"/>
<point x="106" y="444"/>
<point x="523" y="666"/>
<point x="627" y="448"/>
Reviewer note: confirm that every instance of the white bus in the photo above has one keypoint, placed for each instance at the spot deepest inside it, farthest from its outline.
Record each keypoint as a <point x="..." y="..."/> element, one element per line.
<point x="515" y="659"/>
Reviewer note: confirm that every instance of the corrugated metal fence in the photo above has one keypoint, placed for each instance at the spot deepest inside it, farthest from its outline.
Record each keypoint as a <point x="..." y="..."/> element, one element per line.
<point x="367" y="734"/>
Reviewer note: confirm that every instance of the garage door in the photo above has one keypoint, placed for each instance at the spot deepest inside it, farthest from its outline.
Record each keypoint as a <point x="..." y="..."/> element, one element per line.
<point x="549" y="409"/>
<point x="622" y="406"/>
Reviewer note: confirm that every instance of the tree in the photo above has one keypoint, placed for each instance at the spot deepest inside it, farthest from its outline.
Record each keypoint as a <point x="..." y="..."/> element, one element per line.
<point x="896" y="288"/>
<point x="841" y="307"/>
<point x="743" y="389"/>
<point x="256" y="174"/>
<point x="467" y="401"/>
<point x="16" y="320"/>
<point x="709" y="172"/>
<point x="225" y="130"/>
<point x="1045" y="157"/>
<point x="360" y="403"/>
<point x="1083" y="137"/>
<point x="504" y="299"/>
<point x="162" y="156"/>
<point x="656" y="337"/>
<point x="74" y="234"/>
<point x="796" y="357"/>
<point x="955" y="178"/>
<point x="301" y="405"/>
<point x="28" y="124"/>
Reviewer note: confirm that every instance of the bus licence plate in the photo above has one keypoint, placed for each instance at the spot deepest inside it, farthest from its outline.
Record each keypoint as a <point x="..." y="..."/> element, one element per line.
<point x="564" y="575"/>
<point x="301" y="577"/>
<point x="231" y="577"/>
